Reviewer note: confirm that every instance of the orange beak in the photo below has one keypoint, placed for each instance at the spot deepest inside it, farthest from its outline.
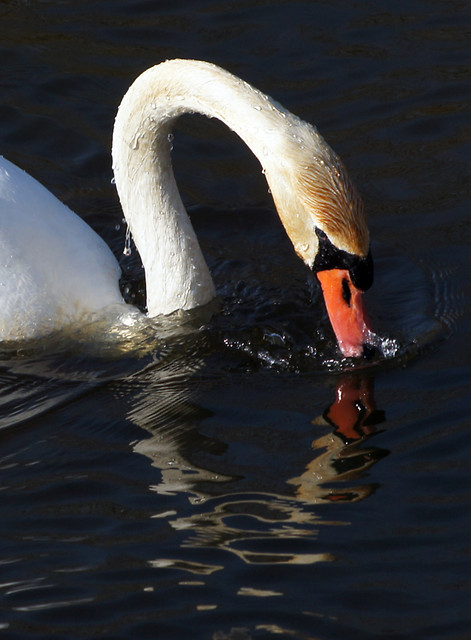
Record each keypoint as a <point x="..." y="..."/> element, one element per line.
<point x="346" y="310"/>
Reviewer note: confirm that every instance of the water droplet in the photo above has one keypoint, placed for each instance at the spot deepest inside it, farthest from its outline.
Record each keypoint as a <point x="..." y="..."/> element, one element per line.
<point x="257" y="107"/>
<point x="303" y="247"/>
<point x="127" y="243"/>
<point x="113" y="180"/>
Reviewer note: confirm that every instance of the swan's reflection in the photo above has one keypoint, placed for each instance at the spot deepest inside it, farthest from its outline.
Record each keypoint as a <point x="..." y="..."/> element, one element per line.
<point x="341" y="457"/>
<point x="258" y="526"/>
<point x="242" y="498"/>
<point x="247" y="493"/>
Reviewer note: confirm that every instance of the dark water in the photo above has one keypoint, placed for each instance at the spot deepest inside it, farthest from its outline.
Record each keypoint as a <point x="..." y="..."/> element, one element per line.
<point x="241" y="482"/>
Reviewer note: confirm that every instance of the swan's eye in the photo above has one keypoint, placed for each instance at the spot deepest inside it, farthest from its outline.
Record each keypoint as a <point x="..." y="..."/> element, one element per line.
<point x="362" y="272"/>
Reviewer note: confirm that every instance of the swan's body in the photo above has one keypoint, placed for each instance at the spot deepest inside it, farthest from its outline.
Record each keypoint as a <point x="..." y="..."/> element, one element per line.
<point x="54" y="268"/>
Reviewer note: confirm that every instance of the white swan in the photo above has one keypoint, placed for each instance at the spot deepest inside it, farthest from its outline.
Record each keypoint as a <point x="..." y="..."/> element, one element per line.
<point x="54" y="269"/>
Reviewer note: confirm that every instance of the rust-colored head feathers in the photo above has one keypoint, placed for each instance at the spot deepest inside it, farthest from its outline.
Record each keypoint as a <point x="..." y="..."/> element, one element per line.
<point x="325" y="189"/>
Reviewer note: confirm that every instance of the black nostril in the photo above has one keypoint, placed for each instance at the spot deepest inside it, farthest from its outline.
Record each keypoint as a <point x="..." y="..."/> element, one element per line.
<point x="346" y="291"/>
<point x="369" y="351"/>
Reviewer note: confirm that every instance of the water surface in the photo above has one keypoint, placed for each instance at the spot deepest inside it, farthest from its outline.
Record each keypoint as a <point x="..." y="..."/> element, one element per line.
<point x="238" y="480"/>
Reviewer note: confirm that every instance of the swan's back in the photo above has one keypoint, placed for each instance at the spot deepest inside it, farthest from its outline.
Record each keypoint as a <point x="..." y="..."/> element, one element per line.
<point x="53" y="267"/>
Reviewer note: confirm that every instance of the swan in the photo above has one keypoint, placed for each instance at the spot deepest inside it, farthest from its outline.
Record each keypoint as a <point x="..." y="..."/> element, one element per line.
<point x="54" y="269"/>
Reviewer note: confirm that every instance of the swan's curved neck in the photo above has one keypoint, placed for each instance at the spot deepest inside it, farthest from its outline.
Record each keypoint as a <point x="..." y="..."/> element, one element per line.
<point x="177" y="276"/>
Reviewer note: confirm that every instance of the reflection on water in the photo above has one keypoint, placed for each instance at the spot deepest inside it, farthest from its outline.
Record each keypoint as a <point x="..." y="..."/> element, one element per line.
<point x="341" y="455"/>
<point x="251" y="524"/>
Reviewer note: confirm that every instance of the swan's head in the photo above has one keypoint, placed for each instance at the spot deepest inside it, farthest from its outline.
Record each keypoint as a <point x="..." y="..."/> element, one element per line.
<point x="324" y="216"/>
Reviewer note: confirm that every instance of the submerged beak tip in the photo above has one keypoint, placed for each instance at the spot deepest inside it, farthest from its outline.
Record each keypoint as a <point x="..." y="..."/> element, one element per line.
<point x="360" y="350"/>
<point x="350" y="351"/>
